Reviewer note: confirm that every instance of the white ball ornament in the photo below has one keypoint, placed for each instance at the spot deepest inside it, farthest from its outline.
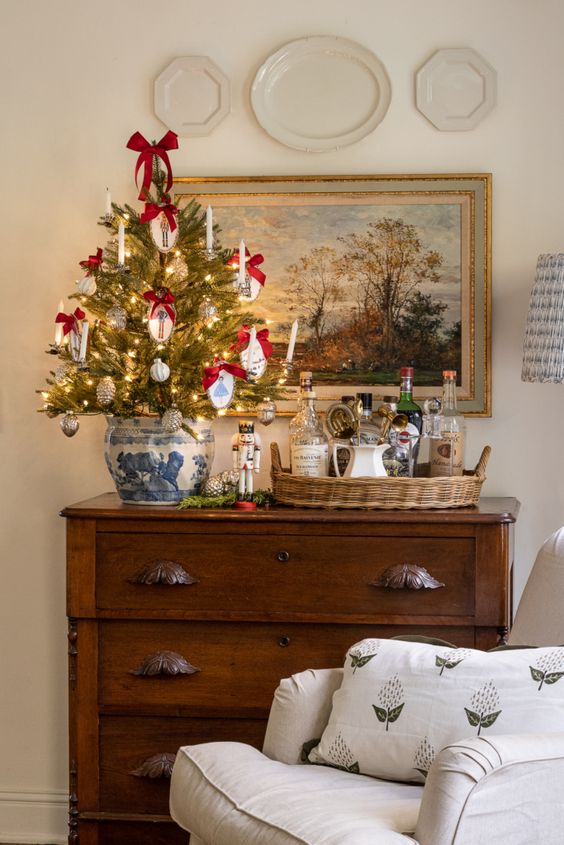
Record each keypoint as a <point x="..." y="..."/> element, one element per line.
<point x="87" y="286"/>
<point x="159" y="370"/>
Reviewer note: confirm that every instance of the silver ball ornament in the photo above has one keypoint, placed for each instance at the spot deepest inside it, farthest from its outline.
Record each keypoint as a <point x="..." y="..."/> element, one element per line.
<point x="117" y="317"/>
<point x="266" y="411"/>
<point x="159" y="370"/>
<point x="106" y="391"/>
<point x="69" y="424"/>
<point x="172" y="419"/>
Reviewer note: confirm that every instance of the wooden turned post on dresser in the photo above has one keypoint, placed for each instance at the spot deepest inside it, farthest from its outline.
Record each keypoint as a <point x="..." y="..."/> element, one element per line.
<point x="181" y="624"/>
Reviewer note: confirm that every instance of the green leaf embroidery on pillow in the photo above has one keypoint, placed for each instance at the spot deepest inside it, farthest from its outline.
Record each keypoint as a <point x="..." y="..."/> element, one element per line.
<point x="394" y="713"/>
<point x="381" y="713"/>
<point x="358" y="662"/>
<point x="482" y="712"/>
<point x="363" y="653"/>
<point x="547" y="669"/>
<point x="390" y="696"/>
<point x="341" y="756"/>
<point x="450" y="659"/>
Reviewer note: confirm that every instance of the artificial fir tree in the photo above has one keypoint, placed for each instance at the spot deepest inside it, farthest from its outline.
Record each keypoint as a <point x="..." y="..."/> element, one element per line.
<point x="124" y="371"/>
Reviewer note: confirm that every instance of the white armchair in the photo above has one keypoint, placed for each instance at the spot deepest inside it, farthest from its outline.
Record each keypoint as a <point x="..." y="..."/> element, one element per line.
<point x="507" y="789"/>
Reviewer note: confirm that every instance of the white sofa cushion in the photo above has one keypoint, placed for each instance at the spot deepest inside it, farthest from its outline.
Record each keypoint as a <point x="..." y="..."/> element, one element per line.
<point x="400" y="703"/>
<point x="227" y="793"/>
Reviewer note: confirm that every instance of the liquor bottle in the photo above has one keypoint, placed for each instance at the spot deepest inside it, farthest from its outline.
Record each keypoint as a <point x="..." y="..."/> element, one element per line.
<point x="309" y="448"/>
<point x="447" y="452"/>
<point x="407" y="442"/>
<point x="369" y="431"/>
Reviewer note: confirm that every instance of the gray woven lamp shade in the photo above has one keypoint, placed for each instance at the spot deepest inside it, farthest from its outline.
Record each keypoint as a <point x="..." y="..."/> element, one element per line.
<point x="543" y="349"/>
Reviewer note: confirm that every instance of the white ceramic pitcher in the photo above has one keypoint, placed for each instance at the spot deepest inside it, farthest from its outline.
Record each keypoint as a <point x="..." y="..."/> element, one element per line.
<point x="364" y="460"/>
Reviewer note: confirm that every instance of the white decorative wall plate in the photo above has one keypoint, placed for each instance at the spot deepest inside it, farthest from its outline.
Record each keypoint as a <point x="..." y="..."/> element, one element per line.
<point x="455" y="89"/>
<point x="320" y="93"/>
<point x="192" y="96"/>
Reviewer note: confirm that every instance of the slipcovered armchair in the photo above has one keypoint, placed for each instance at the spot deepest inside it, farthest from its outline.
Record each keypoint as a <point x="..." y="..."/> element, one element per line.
<point x="507" y="788"/>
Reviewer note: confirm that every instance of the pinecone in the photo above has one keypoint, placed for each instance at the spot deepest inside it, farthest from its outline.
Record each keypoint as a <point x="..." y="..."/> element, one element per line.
<point x="172" y="419"/>
<point x="106" y="391"/>
<point x="219" y="485"/>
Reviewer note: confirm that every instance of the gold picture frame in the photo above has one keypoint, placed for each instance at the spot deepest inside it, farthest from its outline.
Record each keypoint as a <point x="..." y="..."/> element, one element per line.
<point x="347" y="229"/>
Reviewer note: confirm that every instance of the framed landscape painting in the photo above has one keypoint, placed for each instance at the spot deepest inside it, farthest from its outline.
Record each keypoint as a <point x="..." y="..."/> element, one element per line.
<point x="380" y="272"/>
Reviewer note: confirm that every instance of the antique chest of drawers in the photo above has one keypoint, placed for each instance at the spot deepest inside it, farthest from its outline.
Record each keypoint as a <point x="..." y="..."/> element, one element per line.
<point x="181" y="624"/>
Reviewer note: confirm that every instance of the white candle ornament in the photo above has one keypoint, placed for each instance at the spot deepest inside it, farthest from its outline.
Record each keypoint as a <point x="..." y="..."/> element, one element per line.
<point x="209" y="228"/>
<point x="241" y="262"/>
<point x="59" y="326"/>
<point x="83" y="342"/>
<point x="108" y="203"/>
<point x="251" y="349"/>
<point x="121" y="244"/>
<point x="292" y="342"/>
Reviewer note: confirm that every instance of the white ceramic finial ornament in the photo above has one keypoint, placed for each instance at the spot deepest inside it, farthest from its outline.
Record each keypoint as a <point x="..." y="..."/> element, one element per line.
<point x="159" y="370"/>
<point x="69" y="424"/>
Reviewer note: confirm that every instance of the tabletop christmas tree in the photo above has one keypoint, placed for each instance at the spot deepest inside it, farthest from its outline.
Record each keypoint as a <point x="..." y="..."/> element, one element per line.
<point x="159" y="329"/>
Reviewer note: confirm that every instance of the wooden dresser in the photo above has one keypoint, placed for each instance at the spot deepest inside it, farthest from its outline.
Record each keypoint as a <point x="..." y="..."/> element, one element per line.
<point x="181" y="623"/>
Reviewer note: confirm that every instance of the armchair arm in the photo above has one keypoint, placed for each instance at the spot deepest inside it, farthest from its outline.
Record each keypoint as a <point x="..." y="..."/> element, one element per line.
<point x="508" y="786"/>
<point x="300" y="711"/>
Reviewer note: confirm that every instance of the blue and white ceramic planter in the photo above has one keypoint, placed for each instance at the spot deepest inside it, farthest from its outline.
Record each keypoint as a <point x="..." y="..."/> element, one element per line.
<point x="150" y="466"/>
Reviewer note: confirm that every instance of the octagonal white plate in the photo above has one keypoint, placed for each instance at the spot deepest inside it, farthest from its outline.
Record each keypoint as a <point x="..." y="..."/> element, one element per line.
<point x="320" y="93"/>
<point x="455" y="89"/>
<point x="192" y="96"/>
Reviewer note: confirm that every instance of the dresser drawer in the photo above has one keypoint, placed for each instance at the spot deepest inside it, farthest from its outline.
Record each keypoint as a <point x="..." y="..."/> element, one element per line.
<point x="239" y="664"/>
<point x="134" y="774"/>
<point x="262" y="576"/>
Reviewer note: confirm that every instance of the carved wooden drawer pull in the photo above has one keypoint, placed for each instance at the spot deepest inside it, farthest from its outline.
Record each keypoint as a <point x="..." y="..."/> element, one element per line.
<point x="164" y="663"/>
<point x="157" y="766"/>
<point x="167" y="572"/>
<point x="407" y="576"/>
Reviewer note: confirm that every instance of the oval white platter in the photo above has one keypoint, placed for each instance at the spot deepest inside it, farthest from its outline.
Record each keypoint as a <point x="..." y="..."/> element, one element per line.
<point x="320" y="93"/>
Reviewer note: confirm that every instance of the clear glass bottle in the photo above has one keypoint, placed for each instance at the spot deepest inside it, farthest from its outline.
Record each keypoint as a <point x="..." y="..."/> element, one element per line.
<point x="369" y="431"/>
<point x="407" y="442"/>
<point x="447" y="452"/>
<point x="309" y="447"/>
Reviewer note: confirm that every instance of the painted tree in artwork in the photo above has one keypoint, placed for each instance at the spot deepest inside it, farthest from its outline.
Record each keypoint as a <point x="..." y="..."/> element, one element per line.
<point x="314" y="292"/>
<point x="389" y="261"/>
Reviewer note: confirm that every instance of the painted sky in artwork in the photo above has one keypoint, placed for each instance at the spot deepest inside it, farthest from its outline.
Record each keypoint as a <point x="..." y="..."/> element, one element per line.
<point x="285" y="232"/>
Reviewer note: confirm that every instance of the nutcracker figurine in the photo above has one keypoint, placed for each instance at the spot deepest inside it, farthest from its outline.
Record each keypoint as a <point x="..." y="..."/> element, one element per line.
<point x="246" y="459"/>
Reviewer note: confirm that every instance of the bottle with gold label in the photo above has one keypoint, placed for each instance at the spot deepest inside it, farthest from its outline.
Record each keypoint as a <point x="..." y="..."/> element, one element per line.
<point x="447" y="452"/>
<point x="309" y="447"/>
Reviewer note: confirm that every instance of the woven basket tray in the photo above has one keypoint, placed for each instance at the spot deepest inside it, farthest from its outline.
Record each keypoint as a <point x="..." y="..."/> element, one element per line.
<point x="385" y="493"/>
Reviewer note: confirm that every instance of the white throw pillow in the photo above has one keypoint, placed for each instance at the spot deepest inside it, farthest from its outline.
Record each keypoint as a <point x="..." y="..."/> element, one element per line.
<point x="400" y="703"/>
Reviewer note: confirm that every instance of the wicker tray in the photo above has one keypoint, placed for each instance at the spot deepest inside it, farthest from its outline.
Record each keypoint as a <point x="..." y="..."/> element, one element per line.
<point x="383" y="493"/>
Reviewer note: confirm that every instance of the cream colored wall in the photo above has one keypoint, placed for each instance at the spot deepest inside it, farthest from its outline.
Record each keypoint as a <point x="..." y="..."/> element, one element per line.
<point x="76" y="81"/>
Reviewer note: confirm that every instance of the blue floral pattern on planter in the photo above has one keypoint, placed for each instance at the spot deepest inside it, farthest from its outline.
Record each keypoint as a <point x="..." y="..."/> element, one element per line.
<point x="152" y="466"/>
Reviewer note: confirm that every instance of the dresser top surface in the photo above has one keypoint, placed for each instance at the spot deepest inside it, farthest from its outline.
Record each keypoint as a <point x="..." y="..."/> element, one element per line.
<point x="109" y="506"/>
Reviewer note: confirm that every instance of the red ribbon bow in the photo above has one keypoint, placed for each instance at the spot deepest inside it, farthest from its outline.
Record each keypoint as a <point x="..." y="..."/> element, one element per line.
<point x="153" y="209"/>
<point x="147" y="153"/>
<point x="251" y="263"/>
<point x="211" y="374"/>
<point x="70" y="321"/>
<point x="166" y="299"/>
<point x="93" y="262"/>
<point x="244" y="335"/>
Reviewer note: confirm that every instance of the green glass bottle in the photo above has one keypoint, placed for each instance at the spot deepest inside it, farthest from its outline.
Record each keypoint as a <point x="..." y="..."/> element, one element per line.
<point x="414" y="414"/>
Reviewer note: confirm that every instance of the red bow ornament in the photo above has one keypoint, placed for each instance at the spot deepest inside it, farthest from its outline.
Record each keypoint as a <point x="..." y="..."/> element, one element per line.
<point x="243" y="337"/>
<point x="93" y="262"/>
<point x="70" y="321"/>
<point x="153" y="209"/>
<point x="147" y="154"/>
<point x="165" y="299"/>
<point x="251" y="264"/>
<point x="211" y="374"/>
